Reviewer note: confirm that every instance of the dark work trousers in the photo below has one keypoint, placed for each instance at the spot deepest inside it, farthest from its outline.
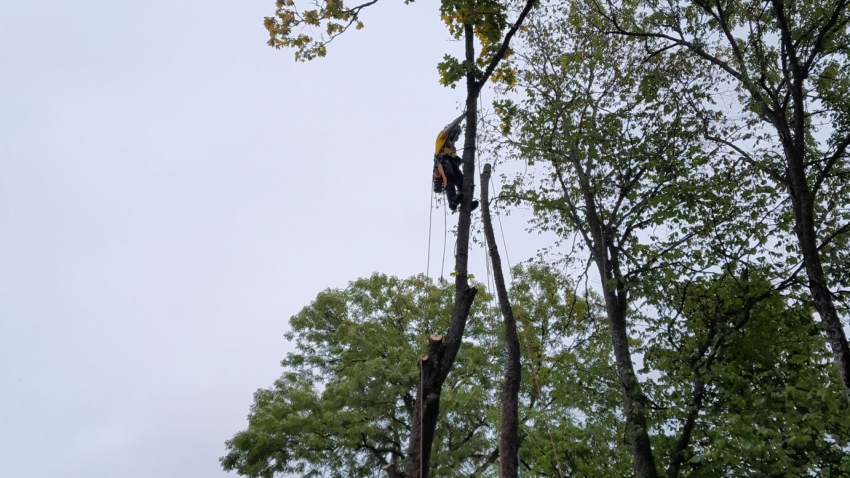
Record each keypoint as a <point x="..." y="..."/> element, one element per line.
<point x="454" y="178"/>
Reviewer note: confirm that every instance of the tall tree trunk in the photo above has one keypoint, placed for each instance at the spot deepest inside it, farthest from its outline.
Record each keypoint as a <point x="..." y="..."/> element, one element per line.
<point x="804" y="227"/>
<point x="803" y="200"/>
<point x="800" y="47"/>
<point x="793" y="138"/>
<point x="509" y="437"/>
<point x="435" y="367"/>
<point x="633" y="399"/>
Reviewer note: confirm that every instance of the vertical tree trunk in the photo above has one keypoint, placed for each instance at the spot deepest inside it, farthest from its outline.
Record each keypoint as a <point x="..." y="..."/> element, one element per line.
<point x="633" y="400"/>
<point x="509" y="437"/>
<point x="435" y="367"/>
<point x="804" y="227"/>
<point x="792" y="134"/>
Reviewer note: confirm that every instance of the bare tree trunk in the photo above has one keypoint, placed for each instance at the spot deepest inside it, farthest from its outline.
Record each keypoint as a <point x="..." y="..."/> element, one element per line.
<point x="509" y="437"/>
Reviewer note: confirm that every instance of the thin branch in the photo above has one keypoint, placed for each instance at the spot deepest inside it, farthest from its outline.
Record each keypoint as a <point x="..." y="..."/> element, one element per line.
<point x="839" y="152"/>
<point x="494" y="455"/>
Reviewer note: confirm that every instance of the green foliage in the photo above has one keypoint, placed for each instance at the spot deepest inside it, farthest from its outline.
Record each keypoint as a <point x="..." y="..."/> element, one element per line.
<point x="775" y="407"/>
<point x="342" y="404"/>
<point x="589" y="116"/>
<point x="309" y="31"/>
<point x="622" y="127"/>
<point x="341" y="407"/>
<point x="322" y="24"/>
<point x="569" y="384"/>
<point x="764" y="85"/>
<point x="772" y="405"/>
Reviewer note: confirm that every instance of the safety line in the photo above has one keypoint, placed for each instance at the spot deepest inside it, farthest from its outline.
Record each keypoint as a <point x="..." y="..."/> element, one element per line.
<point x="430" y="219"/>
<point x="502" y="233"/>
<point x="496" y="341"/>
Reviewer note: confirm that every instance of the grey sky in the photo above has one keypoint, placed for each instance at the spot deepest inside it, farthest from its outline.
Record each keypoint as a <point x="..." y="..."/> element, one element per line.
<point x="171" y="191"/>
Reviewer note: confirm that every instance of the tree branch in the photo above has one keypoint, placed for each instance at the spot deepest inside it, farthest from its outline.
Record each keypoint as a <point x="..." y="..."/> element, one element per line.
<point x="839" y="152"/>
<point x="494" y="455"/>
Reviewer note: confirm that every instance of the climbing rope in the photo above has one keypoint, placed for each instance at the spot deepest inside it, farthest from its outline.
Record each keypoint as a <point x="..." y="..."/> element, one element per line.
<point x="502" y="233"/>
<point x="445" y="238"/>
<point x="421" y="417"/>
<point x="430" y="218"/>
<point x="497" y="342"/>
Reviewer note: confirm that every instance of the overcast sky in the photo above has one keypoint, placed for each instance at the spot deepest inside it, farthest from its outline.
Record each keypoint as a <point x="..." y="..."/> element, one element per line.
<point x="172" y="190"/>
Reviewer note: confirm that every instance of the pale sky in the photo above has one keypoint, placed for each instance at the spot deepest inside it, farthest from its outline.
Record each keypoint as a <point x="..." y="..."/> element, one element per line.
<point x="172" y="190"/>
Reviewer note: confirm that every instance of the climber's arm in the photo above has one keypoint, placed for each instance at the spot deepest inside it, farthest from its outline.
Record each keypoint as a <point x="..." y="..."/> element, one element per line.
<point x="451" y="125"/>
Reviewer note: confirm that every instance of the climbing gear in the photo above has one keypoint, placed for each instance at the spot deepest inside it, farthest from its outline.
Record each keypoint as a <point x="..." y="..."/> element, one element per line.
<point x="439" y="178"/>
<point x="457" y="200"/>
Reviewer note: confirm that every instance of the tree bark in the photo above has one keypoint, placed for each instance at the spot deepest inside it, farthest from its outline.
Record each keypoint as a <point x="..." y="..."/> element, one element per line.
<point x="509" y="437"/>
<point x="633" y="399"/>
<point x="793" y="138"/>
<point x="802" y="201"/>
<point x="784" y="108"/>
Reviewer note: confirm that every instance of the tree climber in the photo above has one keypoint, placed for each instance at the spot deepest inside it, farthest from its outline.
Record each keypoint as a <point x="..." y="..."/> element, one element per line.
<point x="447" y="172"/>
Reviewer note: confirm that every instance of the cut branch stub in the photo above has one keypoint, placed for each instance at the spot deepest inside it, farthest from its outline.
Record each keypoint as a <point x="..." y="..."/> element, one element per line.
<point x="392" y="471"/>
<point x="435" y="345"/>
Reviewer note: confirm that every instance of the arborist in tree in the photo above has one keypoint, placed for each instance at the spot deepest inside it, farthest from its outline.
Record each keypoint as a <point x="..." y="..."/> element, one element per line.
<point x="447" y="171"/>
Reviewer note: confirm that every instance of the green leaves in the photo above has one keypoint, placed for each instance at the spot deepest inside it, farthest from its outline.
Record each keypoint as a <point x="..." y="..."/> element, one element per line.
<point x="621" y="145"/>
<point x="341" y="407"/>
<point x="452" y="70"/>
<point x="342" y="403"/>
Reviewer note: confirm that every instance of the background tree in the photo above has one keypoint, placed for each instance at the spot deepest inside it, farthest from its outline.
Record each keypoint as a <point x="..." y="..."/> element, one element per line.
<point x="788" y="62"/>
<point x="613" y="151"/>
<point x="615" y="155"/>
<point x="342" y="405"/>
